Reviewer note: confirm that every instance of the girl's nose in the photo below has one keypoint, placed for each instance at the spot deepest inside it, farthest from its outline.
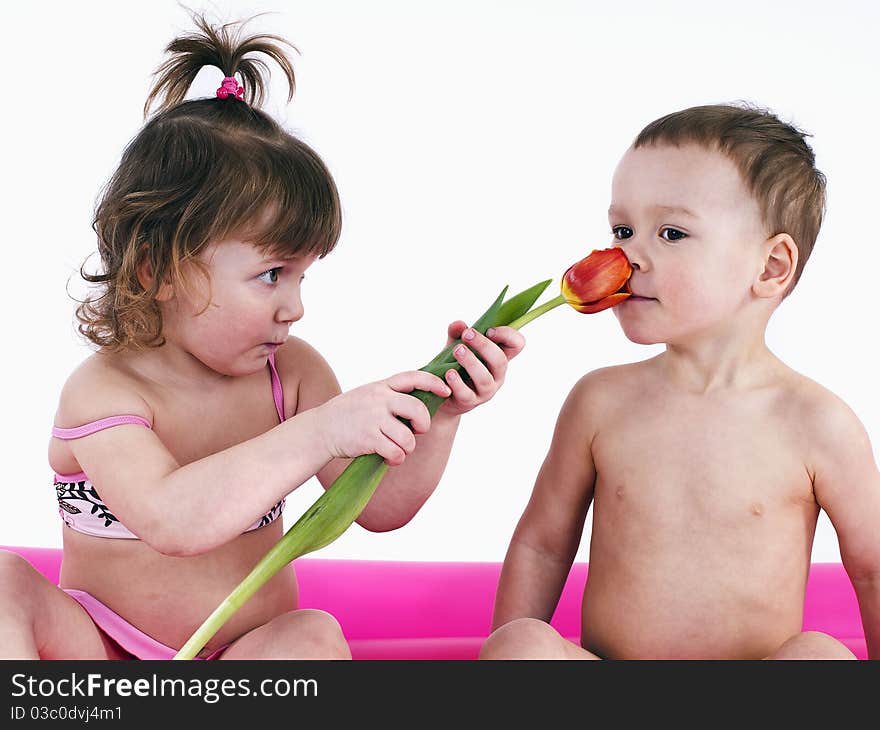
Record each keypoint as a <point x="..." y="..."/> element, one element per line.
<point x="290" y="310"/>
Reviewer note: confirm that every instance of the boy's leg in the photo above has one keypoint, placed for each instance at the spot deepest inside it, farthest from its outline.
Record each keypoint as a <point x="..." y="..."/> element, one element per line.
<point x="303" y="634"/>
<point x="812" y="645"/>
<point x="40" y="621"/>
<point x="530" y="638"/>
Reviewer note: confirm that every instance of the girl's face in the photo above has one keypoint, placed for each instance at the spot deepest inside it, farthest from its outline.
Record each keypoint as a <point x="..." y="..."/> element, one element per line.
<point x="693" y="235"/>
<point x="254" y="299"/>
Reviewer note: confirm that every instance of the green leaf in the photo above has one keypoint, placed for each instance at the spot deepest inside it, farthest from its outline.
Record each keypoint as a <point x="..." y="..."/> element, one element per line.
<point x="498" y="314"/>
<point x="486" y="321"/>
<point x="519" y="304"/>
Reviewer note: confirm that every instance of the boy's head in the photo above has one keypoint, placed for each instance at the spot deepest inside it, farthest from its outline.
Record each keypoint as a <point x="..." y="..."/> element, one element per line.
<point x="716" y="207"/>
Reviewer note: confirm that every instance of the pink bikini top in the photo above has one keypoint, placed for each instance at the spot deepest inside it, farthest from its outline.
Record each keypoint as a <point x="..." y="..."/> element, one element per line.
<point x="83" y="510"/>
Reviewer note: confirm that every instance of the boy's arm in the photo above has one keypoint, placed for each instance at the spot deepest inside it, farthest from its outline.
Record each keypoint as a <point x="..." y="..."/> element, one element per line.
<point x="548" y="534"/>
<point x="846" y="483"/>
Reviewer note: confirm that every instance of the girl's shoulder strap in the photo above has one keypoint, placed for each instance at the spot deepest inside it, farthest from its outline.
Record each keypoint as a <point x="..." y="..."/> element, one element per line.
<point x="99" y="425"/>
<point x="277" y="391"/>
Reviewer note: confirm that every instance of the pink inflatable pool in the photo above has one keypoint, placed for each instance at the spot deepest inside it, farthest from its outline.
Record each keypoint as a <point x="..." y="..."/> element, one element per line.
<point x="434" y="610"/>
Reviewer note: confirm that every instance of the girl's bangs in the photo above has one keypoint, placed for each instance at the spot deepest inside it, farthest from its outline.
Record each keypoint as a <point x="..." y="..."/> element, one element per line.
<point x="292" y="209"/>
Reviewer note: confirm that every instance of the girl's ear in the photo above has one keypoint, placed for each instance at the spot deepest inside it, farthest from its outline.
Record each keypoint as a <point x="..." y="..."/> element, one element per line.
<point x="779" y="267"/>
<point x="146" y="278"/>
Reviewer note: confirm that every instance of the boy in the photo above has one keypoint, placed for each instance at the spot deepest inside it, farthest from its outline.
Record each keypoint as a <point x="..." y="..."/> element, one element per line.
<point x="707" y="465"/>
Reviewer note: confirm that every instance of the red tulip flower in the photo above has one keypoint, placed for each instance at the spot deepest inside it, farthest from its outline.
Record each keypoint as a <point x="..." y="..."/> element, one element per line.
<point x="594" y="283"/>
<point x="598" y="281"/>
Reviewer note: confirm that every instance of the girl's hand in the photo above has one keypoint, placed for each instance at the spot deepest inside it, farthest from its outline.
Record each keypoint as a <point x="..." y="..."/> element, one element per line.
<point x="483" y="378"/>
<point x="364" y="420"/>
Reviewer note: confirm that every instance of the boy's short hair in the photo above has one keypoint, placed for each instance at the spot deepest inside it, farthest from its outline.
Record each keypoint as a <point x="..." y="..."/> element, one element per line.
<point x="773" y="158"/>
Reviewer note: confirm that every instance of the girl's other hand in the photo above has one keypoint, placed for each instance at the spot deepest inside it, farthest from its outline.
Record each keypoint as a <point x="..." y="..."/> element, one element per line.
<point x="365" y="420"/>
<point x="484" y="360"/>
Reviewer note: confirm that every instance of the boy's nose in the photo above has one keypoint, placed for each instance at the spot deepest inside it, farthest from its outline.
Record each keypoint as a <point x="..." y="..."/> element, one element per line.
<point x="634" y="253"/>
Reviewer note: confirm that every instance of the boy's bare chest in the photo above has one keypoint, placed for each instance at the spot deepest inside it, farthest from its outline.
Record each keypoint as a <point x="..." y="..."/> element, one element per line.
<point x="700" y="458"/>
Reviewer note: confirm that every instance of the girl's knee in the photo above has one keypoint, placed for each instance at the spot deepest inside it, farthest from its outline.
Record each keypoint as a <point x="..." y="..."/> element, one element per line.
<point x="21" y="589"/>
<point x="17" y="575"/>
<point x="315" y="633"/>
<point x="522" y="638"/>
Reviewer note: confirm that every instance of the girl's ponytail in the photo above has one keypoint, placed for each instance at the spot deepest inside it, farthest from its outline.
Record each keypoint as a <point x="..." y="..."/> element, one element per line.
<point x="202" y="171"/>
<point x="224" y="48"/>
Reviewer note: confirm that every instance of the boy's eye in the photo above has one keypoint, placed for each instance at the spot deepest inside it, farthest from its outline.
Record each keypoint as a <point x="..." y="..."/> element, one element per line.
<point x="672" y="234"/>
<point x="270" y="276"/>
<point x="621" y="232"/>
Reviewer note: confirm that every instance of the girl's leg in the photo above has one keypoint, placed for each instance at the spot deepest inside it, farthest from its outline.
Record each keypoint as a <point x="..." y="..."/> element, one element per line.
<point x="530" y="638"/>
<point x="303" y="634"/>
<point x="40" y="621"/>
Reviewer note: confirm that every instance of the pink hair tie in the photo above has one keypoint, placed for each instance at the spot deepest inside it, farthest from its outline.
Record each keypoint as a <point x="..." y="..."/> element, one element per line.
<point x="229" y="86"/>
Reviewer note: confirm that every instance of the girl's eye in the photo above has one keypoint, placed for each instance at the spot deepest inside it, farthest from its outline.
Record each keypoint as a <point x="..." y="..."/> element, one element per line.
<point x="270" y="276"/>
<point x="621" y="232"/>
<point x="672" y="234"/>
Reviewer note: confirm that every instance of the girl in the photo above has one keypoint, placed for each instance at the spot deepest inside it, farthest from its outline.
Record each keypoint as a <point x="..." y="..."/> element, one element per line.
<point x="176" y="442"/>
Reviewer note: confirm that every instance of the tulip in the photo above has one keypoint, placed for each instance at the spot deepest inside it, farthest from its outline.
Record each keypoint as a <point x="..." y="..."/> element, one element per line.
<point x="597" y="282"/>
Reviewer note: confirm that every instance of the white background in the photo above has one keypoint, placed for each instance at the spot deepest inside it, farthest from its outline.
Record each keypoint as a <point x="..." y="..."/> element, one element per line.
<point x="473" y="145"/>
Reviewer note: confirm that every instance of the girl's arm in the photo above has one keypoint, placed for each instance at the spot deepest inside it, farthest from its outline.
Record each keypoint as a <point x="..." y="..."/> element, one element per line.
<point x="190" y="509"/>
<point x="548" y="534"/>
<point x="407" y="486"/>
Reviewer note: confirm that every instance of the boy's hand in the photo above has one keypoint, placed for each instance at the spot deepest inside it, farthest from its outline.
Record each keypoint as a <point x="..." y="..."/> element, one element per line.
<point x="484" y="360"/>
<point x="364" y="420"/>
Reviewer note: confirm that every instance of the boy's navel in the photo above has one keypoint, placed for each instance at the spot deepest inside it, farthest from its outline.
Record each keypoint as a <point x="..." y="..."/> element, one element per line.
<point x="757" y="509"/>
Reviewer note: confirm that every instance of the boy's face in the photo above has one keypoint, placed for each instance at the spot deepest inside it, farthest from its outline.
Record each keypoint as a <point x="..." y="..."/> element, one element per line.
<point x="693" y="235"/>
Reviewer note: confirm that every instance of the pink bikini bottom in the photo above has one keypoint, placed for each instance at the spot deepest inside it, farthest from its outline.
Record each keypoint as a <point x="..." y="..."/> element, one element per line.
<point x="132" y="640"/>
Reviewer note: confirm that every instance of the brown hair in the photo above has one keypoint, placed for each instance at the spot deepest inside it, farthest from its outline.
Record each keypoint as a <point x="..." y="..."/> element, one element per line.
<point x="772" y="157"/>
<point x="200" y="171"/>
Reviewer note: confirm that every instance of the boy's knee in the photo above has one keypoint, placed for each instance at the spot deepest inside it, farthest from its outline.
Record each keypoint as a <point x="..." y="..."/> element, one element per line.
<point x="825" y="645"/>
<point x="812" y="645"/>
<point x="522" y="638"/>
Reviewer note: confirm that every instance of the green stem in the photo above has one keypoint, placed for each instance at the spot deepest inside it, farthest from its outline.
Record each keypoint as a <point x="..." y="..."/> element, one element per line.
<point x="330" y="515"/>
<point x="537" y="312"/>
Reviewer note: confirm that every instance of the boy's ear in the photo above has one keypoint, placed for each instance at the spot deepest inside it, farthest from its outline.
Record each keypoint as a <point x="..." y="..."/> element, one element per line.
<point x="780" y="257"/>
<point x="146" y="278"/>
